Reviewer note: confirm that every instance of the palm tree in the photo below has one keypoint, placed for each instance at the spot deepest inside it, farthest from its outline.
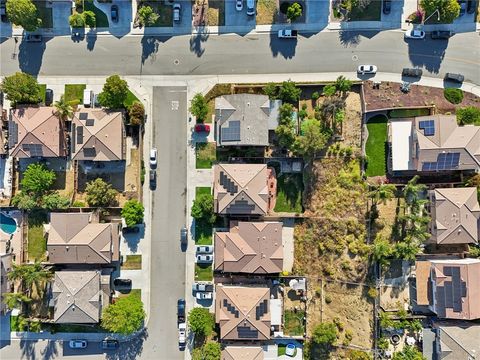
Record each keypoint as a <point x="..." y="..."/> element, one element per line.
<point x="64" y="108"/>
<point x="381" y="250"/>
<point x="382" y="193"/>
<point x="29" y="275"/>
<point x="412" y="191"/>
<point x="15" y="300"/>
<point x="342" y="84"/>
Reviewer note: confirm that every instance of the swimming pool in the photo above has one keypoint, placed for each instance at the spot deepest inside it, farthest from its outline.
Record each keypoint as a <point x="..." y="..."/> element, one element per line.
<point x="7" y="224"/>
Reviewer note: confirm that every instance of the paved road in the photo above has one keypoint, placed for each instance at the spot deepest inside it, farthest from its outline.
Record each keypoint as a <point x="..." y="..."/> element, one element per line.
<point x="235" y="54"/>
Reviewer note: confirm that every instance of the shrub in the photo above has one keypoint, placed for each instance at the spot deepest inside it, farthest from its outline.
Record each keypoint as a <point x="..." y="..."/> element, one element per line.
<point x="78" y="203"/>
<point x="199" y="107"/>
<point x="329" y="90"/>
<point x="468" y="115"/>
<point x="76" y="21"/>
<point x="294" y="11"/>
<point x="372" y="293"/>
<point x="288" y="92"/>
<point x="325" y="334"/>
<point x="147" y="16"/>
<point x="136" y="113"/>
<point x="201" y="321"/>
<point x="132" y="212"/>
<point x="315" y="96"/>
<point x="100" y="193"/>
<point x="89" y="17"/>
<point x="455" y="96"/>
<point x="328" y="299"/>
<point x="270" y="90"/>
<point x="114" y="93"/>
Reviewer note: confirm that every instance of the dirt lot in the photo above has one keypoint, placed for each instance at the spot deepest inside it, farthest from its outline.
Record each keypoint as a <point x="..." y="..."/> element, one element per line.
<point x="390" y="96"/>
<point x="387" y="214"/>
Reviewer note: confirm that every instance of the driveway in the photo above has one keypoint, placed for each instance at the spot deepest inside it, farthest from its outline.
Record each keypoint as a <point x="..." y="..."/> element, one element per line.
<point x="396" y="12"/>
<point x="317" y="12"/>
<point x="185" y="15"/>
<point x="237" y="18"/>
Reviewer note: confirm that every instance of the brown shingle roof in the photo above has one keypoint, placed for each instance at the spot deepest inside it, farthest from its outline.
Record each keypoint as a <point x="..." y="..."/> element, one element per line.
<point x="250" y="247"/>
<point x="74" y="239"/>
<point x="98" y="135"/>
<point x="242" y="353"/>
<point x="455" y="215"/>
<point x="36" y="132"/>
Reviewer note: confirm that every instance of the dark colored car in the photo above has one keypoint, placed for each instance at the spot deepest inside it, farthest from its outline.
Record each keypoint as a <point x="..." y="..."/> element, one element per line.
<point x="181" y="310"/>
<point x="33" y="38"/>
<point x="454" y="77"/>
<point x="109" y="344"/>
<point x="114" y="13"/>
<point x="471" y="6"/>
<point x="48" y="97"/>
<point x="122" y="282"/>
<point x="412" y="72"/>
<point x="131" y="230"/>
<point x="441" y="35"/>
<point x="183" y="235"/>
<point x="463" y="7"/>
<point x="3" y="13"/>
<point x="202" y="128"/>
<point x="387" y="6"/>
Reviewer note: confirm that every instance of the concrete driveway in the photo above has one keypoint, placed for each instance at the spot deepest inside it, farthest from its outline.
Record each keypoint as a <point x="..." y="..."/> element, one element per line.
<point x="317" y="12"/>
<point x="185" y="15"/>
<point x="237" y="18"/>
<point x="396" y="12"/>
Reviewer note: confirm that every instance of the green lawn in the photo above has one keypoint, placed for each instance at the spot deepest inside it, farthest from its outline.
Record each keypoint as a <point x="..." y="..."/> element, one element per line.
<point x="37" y="244"/>
<point x="43" y="89"/>
<point x="203" y="272"/>
<point x="74" y="92"/>
<point x="100" y="16"/>
<point x="203" y="230"/>
<point x="375" y="147"/>
<point x="202" y="190"/>
<point x="131" y="98"/>
<point x="289" y="193"/>
<point x="403" y="113"/>
<point x="371" y="13"/>
<point x="134" y="292"/>
<point x="45" y="14"/>
<point x="206" y="155"/>
<point x="132" y="262"/>
<point x="293" y="322"/>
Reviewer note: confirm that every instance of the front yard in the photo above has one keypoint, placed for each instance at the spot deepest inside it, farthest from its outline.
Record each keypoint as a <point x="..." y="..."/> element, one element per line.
<point x="164" y="11"/>
<point x="74" y="93"/>
<point x="216" y="12"/>
<point x="376" y="146"/>
<point x="203" y="272"/>
<point x="37" y="244"/>
<point x="266" y="12"/>
<point x="205" y="154"/>
<point x="289" y="193"/>
<point x="373" y="12"/>
<point x="100" y="17"/>
<point x="132" y="262"/>
<point x="203" y="229"/>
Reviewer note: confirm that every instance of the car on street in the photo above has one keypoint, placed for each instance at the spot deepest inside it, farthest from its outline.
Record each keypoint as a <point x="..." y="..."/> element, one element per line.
<point x="122" y="282"/>
<point x="200" y="128"/>
<point x="287" y="34"/>
<point x="239" y="5"/>
<point x="290" y="350"/>
<point x="412" y="72"/>
<point x="152" y="175"/>
<point x="202" y="287"/>
<point x="183" y="235"/>
<point x="114" y="13"/>
<point x="48" y="97"/>
<point x="441" y="35"/>
<point x="458" y="78"/>
<point x="109" y="344"/>
<point x="251" y="7"/>
<point x="153" y="157"/>
<point x="181" y="310"/>
<point x="415" y="34"/>
<point x="182" y="334"/>
<point x="367" y="69"/>
<point x="77" y="344"/>
<point x="204" y="295"/>
<point x="204" y="249"/>
<point x="177" y="9"/>
<point x="204" y="259"/>
<point x="32" y="38"/>
<point x="387" y="6"/>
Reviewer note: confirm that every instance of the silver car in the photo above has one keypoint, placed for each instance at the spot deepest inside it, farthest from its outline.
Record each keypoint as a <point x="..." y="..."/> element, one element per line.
<point x="204" y="259"/>
<point x="205" y="249"/>
<point x="77" y="344"/>
<point x="183" y="235"/>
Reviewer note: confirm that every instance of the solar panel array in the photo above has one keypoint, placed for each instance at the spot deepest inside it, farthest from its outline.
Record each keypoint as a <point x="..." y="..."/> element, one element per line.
<point x="261" y="309"/>
<point x="35" y="150"/>
<point x="449" y="296"/>
<point x="89" y="152"/>
<point x="12" y="133"/>
<point x="428" y="127"/>
<point x="231" y="308"/>
<point x="79" y="134"/>
<point x="246" y="332"/>
<point x="228" y="184"/>
<point x="232" y="132"/>
<point x="240" y="207"/>
<point x="447" y="161"/>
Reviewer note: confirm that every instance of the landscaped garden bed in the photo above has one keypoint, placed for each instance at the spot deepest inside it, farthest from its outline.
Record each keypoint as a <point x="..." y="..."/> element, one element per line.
<point x="74" y="93"/>
<point x="205" y="155"/>
<point x="289" y="193"/>
<point x="203" y="229"/>
<point x="163" y="10"/>
<point x="344" y="10"/>
<point x="100" y="17"/>
<point x="216" y="12"/>
<point x="376" y="146"/>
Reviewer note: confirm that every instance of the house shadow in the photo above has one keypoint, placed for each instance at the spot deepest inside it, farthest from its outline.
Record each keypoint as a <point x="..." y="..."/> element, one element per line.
<point x="427" y="53"/>
<point x="30" y="56"/>
<point x="129" y="350"/>
<point x="133" y="239"/>
<point x="198" y="39"/>
<point x="283" y="47"/>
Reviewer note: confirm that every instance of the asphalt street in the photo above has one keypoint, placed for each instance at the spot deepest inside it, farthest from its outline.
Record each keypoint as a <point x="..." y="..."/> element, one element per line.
<point x="205" y="54"/>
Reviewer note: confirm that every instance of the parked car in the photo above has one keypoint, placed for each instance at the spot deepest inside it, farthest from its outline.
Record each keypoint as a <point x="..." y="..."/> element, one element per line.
<point x="48" y="97"/>
<point x="32" y="38"/>
<point x="114" y="13"/>
<point x="367" y="69"/>
<point x="122" y="282"/>
<point x="181" y="310"/>
<point x="204" y="295"/>
<point x="202" y="287"/>
<point x="205" y="249"/>
<point x="177" y="9"/>
<point x="153" y="157"/>
<point x="463" y="7"/>
<point x="441" y="35"/>
<point x="182" y="334"/>
<point x="239" y="5"/>
<point x="470" y="6"/>
<point x="199" y="128"/>
<point x="183" y="235"/>
<point x="415" y="34"/>
<point x="204" y="259"/>
<point x="251" y="7"/>
<point x="412" y="72"/>
<point x="87" y="97"/>
<point x="3" y="13"/>
<point x="454" y="77"/>
<point x="131" y="230"/>
<point x="109" y="344"/>
<point x="290" y="350"/>
<point x="387" y="6"/>
<point x="77" y="344"/>
<point x="287" y="34"/>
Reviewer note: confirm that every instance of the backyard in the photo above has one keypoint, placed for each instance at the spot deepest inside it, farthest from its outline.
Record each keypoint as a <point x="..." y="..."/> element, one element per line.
<point x="289" y="193"/>
<point x="376" y="146"/>
<point x="74" y="93"/>
<point x="205" y="154"/>
<point x="37" y="244"/>
<point x="293" y="322"/>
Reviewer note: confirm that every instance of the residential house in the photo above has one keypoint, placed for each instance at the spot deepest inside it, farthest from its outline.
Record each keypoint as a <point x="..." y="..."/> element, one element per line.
<point x="35" y="131"/>
<point x="433" y="144"/>
<point x="245" y="119"/>
<point x="455" y="215"/>
<point x="246" y="312"/>
<point x="454" y="340"/>
<point x="79" y="296"/>
<point x="242" y="353"/>
<point x="450" y="287"/>
<point x="250" y="247"/>
<point x="98" y="135"/>
<point x="244" y="189"/>
<point x="5" y="267"/>
<point x="78" y="238"/>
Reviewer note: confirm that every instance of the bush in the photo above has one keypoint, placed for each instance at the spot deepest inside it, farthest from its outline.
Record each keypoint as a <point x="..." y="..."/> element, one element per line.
<point x="89" y="17"/>
<point x="315" y="96"/>
<point x="76" y="20"/>
<point x="132" y="212"/>
<point x="78" y="203"/>
<point x="21" y="88"/>
<point x="37" y="179"/>
<point x="147" y="16"/>
<point x="201" y="321"/>
<point x="202" y="208"/>
<point x="294" y="11"/>
<point x="328" y="299"/>
<point x="372" y="293"/>
<point x="100" y="193"/>
<point x="199" y="107"/>
<point x="270" y="90"/>
<point x="325" y="334"/>
<point x="136" y="113"/>
<point x="468" y="115"/>
<point x="288" y="92"/>
<point x="114" y="92"/>
<point x="455" y="96"/>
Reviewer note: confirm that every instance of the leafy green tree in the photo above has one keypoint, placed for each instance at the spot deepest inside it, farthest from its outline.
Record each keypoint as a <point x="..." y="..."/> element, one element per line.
<point x="90" y="20"/>
<point x="147" y="16"/>
<point x="24" y="201"/>
<point x="381" y="250"/>
<point x="408" y="353"/>
<point x="202" y="208"/>
<point x="285" y="135"/>
<point x="136" y="113"/>
<point x="30" y="275"/>
<point x="468" y="115"/>
<point x="23" y="13"/>
<point x="201" y="321"/>
<point x="449" y="9"/>
<point x="312" y="139"/>
<point x="76" y="20"/>
<point x="325" y="334"/>
<point x="15" y="300"/>
<point x="315" y="96"/>
<point x="382" y="193"/>
<point x="125" y="316"/>
<point x="64" y="109"/>
<point x="385" y="320"/>
<point x="37" y="179"/>
<point x="412" y="191"/>
<point x="271" y="90"/>
<point x="199" y="107"/>
<point x="415" y="326"/>
<point x="54" y="201"/>
<point x="343" y="85"/>
<point x="100" y="193"/>
<point x="285" y="113"/>
<point x="383" y="343"/>
<point x="21" y="88"/>
<point x="329" y="90"/>
<point x="115" y="92"/>
<point x="358" y="355"/>
<point x="289" y="92"/>
<point x="294" y="11"/>
<point x="407" y="250"/>
<point x="210" y="351"/>
<point x="132" y="212"/>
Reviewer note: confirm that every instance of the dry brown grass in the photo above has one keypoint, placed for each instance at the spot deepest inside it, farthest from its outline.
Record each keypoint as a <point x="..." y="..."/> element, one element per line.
<point x="266" y="12"/>
<point x="216" y="13"/>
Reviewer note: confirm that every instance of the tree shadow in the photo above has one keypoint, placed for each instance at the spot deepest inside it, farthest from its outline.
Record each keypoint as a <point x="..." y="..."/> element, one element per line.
<point x="28" y="349"/>
<point x="50" y="351"/>
<point x="129" y="350"/>
<point x="91" y="39"/>
<point x="353" y="37"/>
<point x="284" y="47"/>
<point x="149" y="48"/>
<point x="197" y="40"/>
<point x="30" y="55"/>
<point x="427" y="53"/>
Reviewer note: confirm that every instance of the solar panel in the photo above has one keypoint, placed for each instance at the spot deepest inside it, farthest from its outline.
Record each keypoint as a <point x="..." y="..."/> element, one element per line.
<point x="12" y="133"/>
<point x="89" y="152"/>
<point x="228" y="184"/>
<point x="428" y="127"/>
<point x="447" y="271"/>
<point x="246" y="332"/>
<point x="83" y="116"/>
<point x="448" y="294"/>
<point x="90" y="122"/>
<point x="79" y="134"/>
<point x="240" y="207"/>
<point x="34" y="150"/>
<point x="445" y="161"/>
<point x="232" y="132"/>
<point x="440" y="308"/>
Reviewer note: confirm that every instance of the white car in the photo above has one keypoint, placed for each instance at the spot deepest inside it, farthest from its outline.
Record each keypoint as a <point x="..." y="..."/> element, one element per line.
<point x="239" y="5"/>
<point x="204" y="295"/>
<point x="205" y="249"/>
<point x="204" y="259"/>
<point x="202" y="287"/>
<point x="367" y="69"/>
<point x="182" y="334"/>
<point x="153" y="157"/>
<point x="415" y="34"/>
<point x="177" y="8"/>
<point x="77" y="344"/>
<point x="290" y="350"/>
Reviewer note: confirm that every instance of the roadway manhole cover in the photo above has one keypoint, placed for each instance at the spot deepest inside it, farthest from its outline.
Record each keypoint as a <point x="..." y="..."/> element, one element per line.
<point x="176" y="61"/>
<point x="355" y="57"/>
